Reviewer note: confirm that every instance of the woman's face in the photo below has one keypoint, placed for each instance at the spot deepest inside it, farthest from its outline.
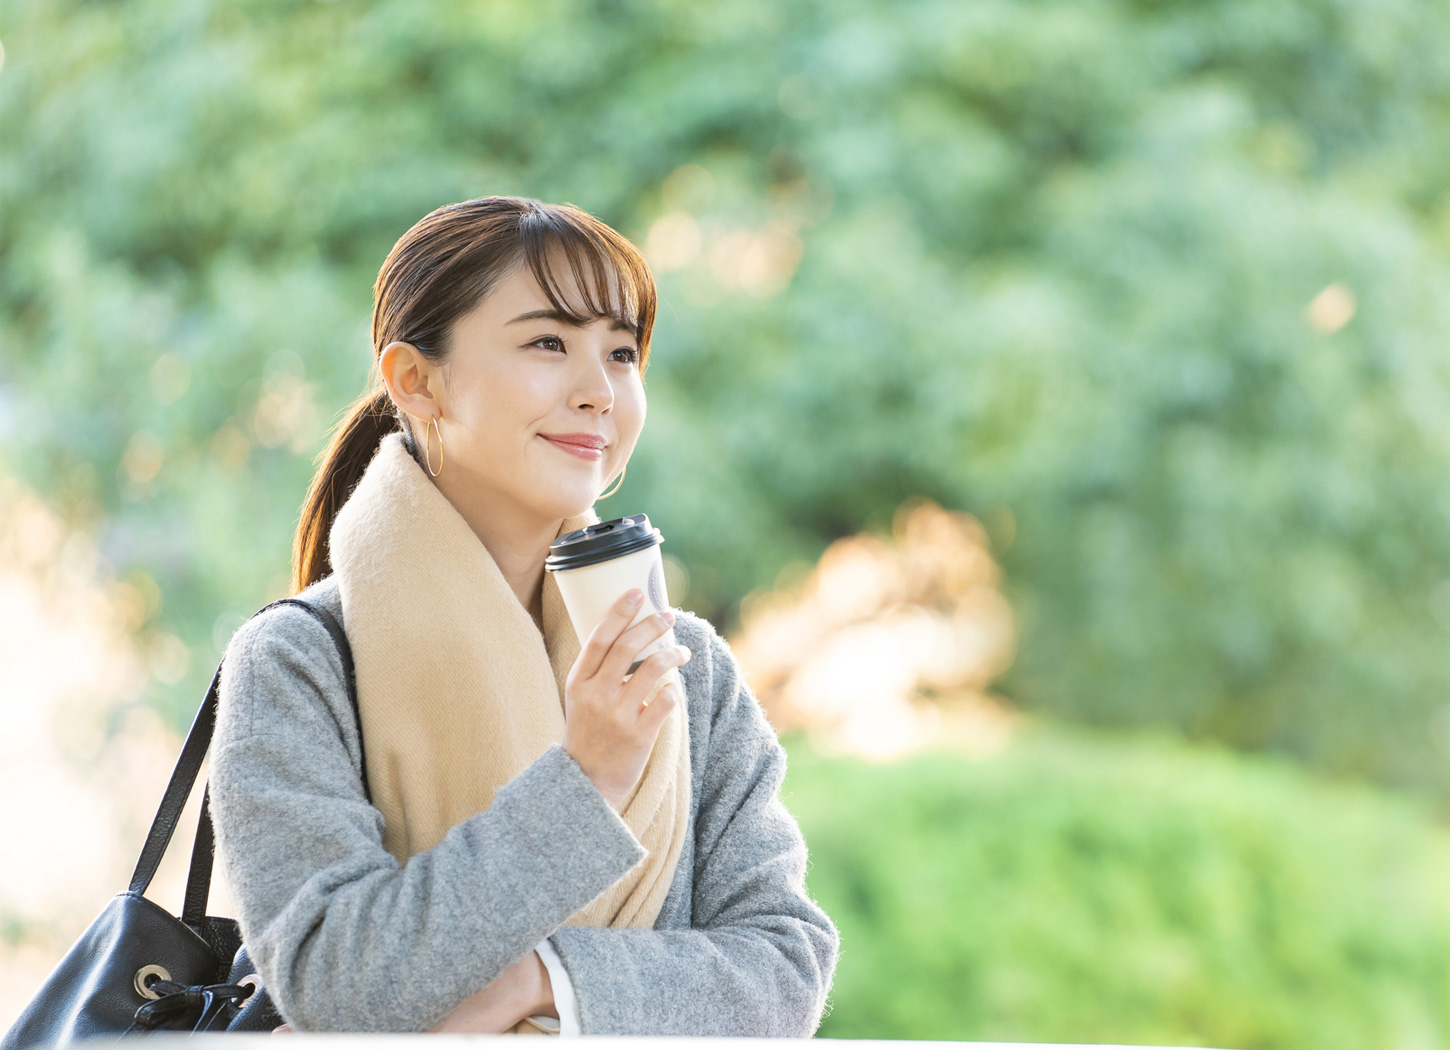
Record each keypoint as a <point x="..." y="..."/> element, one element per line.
<point x="520" y="374"/>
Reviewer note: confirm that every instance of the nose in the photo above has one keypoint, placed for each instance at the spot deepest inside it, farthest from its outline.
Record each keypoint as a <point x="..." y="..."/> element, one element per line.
<point x="592" y="388"/>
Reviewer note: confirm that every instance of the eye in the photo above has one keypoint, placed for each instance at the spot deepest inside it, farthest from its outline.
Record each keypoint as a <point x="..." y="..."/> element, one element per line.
<point x="554" y="342"/>
<point x="631" y="354"/>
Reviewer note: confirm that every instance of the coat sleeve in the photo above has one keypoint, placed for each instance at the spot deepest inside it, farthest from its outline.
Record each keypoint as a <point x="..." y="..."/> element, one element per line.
<point x="760" y="955"/>
<point x="344" y="937"/>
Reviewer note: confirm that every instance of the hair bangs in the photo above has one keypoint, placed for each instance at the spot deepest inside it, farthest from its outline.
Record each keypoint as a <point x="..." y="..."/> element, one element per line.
<point x="603" y="274"/>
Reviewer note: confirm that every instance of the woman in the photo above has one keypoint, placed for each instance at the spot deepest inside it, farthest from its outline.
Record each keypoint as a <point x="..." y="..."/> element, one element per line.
<point x="549" y="846"/>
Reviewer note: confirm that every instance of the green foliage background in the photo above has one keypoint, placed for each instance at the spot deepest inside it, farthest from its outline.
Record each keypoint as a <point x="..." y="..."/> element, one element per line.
<point x="1130" y="890"/>
<point x="1055" y="260"/>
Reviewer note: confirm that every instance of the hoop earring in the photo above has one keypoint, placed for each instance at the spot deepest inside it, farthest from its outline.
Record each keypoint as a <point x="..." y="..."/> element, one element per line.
<point x="426" y="456"/>
<point x="612" y="491"/>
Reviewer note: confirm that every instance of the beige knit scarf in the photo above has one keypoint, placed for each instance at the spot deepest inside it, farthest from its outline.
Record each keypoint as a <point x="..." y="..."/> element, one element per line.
<point x="459" y="691"/>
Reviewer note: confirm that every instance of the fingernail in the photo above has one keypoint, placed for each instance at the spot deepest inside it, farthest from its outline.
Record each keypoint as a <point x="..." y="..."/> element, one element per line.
<point x="668" y="616"/>
<point x="684" y="651"/>
<point x="633" y="596"/>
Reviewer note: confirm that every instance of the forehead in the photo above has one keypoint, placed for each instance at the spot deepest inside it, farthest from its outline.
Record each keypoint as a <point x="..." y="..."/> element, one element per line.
<point x="517" y="289"/>
<point x="518" y="292"/>
<point x="582" y="282"/>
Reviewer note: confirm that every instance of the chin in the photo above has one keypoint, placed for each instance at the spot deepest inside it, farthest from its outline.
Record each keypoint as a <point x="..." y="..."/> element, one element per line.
<point x="565" y="504"/>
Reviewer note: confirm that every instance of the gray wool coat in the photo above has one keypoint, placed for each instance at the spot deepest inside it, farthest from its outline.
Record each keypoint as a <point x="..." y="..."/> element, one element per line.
<point x="347" y="939"/>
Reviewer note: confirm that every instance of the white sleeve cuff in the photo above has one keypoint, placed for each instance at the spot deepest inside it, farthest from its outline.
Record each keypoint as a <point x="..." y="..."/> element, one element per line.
<point x="564" y="1000"/>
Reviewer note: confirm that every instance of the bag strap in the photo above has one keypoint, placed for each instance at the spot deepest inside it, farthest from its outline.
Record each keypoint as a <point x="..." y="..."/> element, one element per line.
<point x="183" y="778"/>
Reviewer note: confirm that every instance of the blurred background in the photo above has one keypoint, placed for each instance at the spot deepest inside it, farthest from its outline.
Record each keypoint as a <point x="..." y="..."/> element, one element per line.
<point x="1050" y="402"/>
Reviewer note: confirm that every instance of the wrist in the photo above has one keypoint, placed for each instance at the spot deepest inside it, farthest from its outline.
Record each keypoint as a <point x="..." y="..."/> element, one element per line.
<point x="543" y="988"/>
<point x="615" y="799"/>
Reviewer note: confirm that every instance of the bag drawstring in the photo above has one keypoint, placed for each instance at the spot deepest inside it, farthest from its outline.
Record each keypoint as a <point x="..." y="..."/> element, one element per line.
<point x="176" y="998"/>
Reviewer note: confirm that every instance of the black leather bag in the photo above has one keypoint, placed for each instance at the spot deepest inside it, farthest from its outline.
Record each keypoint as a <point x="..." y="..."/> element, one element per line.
<point x="137" y="968"/>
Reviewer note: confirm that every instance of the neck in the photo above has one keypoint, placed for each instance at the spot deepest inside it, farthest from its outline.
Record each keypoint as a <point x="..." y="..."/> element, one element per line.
<point x="517" y="541"/>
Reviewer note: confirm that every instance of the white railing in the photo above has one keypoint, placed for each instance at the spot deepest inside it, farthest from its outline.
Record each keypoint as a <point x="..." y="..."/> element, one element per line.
<point x="217" y="1041"/>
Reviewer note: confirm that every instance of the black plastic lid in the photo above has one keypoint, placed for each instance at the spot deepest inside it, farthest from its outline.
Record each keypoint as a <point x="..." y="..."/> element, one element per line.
<point x="602" y="542"/>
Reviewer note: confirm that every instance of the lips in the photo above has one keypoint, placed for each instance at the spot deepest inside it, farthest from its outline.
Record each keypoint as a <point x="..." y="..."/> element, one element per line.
<point x="585" y="446"/>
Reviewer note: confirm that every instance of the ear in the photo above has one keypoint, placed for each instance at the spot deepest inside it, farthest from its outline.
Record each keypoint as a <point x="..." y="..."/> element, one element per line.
<point x="413" y="381"/>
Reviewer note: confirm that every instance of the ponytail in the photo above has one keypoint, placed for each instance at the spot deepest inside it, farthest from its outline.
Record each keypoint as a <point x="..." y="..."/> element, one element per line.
<point x="366" y="422"/>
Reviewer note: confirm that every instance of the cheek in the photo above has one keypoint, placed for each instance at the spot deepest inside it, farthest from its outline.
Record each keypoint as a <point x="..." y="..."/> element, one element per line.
<point x="531" y="384"/>
<point x="629" y="413"/>
<point x="629" y="405"/>
<point x="497" y="401"/>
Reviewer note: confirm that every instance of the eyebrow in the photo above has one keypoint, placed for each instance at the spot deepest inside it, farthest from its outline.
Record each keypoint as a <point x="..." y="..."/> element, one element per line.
<point x="554" y="315"/>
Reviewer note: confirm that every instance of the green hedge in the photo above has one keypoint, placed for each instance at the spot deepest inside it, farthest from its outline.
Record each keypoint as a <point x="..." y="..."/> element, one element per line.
<point x="1086" y="888"/>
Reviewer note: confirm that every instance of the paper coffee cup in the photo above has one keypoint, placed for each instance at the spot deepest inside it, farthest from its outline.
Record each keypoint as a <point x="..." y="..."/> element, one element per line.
<point x="595" y="565"/>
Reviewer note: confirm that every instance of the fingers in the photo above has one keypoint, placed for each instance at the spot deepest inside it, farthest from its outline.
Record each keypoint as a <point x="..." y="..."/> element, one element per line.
<point x="648" y="674"/>
<point x="609" y="729"/>
<point x="606" y="631"/>
<point x="627" y="646"/>
<point x="666" y="700"/>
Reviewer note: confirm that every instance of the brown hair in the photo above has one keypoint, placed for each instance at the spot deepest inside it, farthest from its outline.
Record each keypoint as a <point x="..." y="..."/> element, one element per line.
<point x="440" y="270"/>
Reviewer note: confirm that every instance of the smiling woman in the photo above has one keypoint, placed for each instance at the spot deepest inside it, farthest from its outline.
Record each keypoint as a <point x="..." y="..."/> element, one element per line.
<point x="533" y="838"/>
<point x="539" y="407"/>
<point x="489" y="278"/>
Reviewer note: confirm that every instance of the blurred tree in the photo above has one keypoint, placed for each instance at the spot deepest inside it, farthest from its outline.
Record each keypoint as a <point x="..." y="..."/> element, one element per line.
<point x="1154" y="288"/>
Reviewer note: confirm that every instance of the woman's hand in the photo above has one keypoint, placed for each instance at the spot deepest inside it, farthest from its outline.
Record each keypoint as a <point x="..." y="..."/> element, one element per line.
<point x="523" y="989"/>
<point x="609" y="729"/>
<point x="520" y="991"/>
